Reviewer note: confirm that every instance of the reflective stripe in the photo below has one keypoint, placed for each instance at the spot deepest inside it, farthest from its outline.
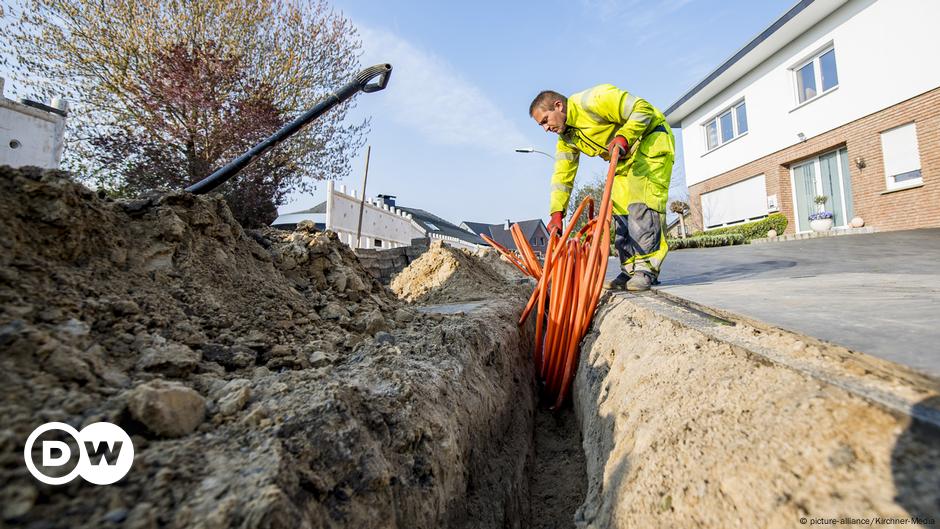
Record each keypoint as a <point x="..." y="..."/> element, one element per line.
<point x="652" y="261"/>
<point x="566" y="155"/>
<point x="562" y="187"/>
<point x="584" y="100"/>
<point x="628" y="103"/>
<point x="641" y="117"/>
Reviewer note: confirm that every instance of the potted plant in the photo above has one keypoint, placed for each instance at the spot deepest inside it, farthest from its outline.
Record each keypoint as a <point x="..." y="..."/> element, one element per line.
<point x="822" y="219"/>
<point x="681" y="209"/>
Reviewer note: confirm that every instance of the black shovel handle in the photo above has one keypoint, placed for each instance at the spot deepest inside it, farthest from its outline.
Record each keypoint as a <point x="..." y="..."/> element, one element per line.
<point x="382" y="71"/>
<point x="360" y="83"/>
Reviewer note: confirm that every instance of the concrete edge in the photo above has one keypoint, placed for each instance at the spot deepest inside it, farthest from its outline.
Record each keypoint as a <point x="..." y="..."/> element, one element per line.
<point x="883" y="383"/>
<point x="816" y="235"/>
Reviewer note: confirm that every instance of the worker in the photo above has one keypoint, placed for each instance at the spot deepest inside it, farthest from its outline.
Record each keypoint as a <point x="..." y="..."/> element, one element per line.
<point x="596" y="122"/>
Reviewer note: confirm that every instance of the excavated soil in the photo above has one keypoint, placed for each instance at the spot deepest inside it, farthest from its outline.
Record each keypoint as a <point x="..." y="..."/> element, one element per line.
<point x="497" y="262"/>
<point x="444" y="275"/>
<point x="265" y="378"/>
<point x="684" y="430"/>
<point x="267" y="381"/>
<point x="555" y="469"/>
<point x="557" y="480"/>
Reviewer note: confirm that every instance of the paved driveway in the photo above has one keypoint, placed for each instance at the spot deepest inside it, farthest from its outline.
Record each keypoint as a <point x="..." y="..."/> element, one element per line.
<point x="877" y="293"/>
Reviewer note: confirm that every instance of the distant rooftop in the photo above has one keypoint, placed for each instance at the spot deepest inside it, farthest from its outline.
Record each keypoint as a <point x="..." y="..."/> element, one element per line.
<point x="434" y="224"/>
<point x="503" y="236"/>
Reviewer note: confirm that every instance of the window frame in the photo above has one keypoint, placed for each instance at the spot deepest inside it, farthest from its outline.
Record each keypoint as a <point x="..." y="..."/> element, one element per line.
<point x="716" y="119"/>
<point x="890" y="183"/>
<point x="815" y="162"/>
<point x="815" y="60"/>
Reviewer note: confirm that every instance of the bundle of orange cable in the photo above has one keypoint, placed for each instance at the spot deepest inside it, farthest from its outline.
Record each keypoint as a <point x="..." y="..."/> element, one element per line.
<point x="569" y="286"/>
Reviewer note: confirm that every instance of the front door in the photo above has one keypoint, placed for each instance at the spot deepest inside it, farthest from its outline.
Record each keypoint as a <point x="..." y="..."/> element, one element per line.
<point x="826" y="175"/>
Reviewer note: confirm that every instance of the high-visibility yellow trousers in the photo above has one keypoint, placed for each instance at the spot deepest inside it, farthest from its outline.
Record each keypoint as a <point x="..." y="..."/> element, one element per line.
<point x="640" y="192"/>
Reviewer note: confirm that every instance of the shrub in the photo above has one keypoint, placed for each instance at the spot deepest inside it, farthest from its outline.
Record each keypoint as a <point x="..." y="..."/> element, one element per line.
<point x="752" y="230"/>
<point x="706" y="241"/>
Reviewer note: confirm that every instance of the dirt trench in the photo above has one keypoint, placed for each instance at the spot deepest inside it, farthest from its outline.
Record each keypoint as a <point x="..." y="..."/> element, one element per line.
<point x="268" y="381"/>
<point x="554" y="468"/>
<point x="265" y="379"/>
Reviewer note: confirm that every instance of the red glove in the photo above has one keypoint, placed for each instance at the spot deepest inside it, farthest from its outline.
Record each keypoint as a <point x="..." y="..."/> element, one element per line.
<point x="555" y="224"/>
<point x="619" y="143"/>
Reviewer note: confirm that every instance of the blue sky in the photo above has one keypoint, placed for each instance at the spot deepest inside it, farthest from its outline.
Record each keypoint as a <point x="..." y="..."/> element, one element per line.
<point x="444" y="131"/>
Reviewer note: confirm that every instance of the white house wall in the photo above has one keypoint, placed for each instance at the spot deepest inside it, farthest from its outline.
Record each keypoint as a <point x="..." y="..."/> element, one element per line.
<point x="29" y="136"/>
<point x="393" y="227"/>
<point x="885" y="53"/>
<point x="454" y="242"/>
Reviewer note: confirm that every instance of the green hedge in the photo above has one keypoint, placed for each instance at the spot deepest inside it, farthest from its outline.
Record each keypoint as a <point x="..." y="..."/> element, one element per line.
<point x="706" y="241"/>
<point x="752" y="230"/>
<point x="730" y="235"/>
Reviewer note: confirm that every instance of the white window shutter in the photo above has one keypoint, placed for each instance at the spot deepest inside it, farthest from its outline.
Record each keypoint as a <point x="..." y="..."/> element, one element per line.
<point x="899" y="146"/>
<point x="735" y="203"/>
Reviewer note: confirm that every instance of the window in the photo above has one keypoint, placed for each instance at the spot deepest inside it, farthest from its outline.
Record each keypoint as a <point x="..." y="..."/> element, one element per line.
<point x="902" y="157"/>
<point x="727" y="130"/>
<point x="806" y="82"/>
<point x="734" y="204"/>
<point x="711" y="134"/>
<point x="816" y="76"/>
<point x="378" y="243"/>
<point x="741" y="114"/>
<point x="726" y="126"/>
<point x="827" y="67"/>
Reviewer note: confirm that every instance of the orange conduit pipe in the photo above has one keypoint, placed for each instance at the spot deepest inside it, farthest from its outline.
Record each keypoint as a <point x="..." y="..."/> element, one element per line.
<point x="509" y="255"/>
<point x="568" y="288"/>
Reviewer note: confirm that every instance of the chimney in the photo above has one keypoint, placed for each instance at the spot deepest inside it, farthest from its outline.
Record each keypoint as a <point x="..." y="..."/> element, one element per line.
<point x="506" y="226"/>
<point x="388" y="200"/>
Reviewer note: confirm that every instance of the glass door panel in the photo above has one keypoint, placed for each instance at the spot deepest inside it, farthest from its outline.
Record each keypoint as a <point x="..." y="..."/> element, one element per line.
<point x="829" y="174"/>
<point x="804" y="189"/>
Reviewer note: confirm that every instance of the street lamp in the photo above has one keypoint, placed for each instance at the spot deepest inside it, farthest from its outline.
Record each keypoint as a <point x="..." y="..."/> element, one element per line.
<point x="530" y="149"/>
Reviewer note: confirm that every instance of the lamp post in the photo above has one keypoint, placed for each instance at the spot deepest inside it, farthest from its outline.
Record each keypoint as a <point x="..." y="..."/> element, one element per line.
<point x="530" y="150"/>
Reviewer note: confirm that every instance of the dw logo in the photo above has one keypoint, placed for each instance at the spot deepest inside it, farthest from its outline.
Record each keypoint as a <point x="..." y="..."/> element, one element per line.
<point x="105" y="453"/>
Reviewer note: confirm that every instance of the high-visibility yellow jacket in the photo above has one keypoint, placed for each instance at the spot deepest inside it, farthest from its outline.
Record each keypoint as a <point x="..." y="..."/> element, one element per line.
<point x="594" y="117"/>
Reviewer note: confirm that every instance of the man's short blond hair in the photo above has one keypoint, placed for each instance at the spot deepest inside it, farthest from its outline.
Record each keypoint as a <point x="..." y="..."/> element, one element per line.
<point x="546" y="100"/>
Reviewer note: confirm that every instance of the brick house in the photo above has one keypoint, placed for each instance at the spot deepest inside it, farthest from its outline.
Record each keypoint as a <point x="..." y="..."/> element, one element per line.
<point x="838" y="98"/>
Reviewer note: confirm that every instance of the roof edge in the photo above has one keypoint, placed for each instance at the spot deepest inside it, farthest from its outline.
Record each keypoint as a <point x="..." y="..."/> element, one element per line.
<point x="740" y="54"/>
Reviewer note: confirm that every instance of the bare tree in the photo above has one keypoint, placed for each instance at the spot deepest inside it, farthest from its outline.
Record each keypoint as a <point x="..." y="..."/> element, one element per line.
<point x="682" y="209"/>
<point x="593" y="188"/>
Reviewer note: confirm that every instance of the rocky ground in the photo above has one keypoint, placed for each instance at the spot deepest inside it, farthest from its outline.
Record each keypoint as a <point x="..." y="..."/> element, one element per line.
<point x="265" y="378"/>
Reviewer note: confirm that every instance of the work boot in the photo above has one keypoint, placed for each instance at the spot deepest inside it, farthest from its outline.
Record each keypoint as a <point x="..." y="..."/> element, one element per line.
<point x="618" y="283"/>
<point x="639" y="282"/>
